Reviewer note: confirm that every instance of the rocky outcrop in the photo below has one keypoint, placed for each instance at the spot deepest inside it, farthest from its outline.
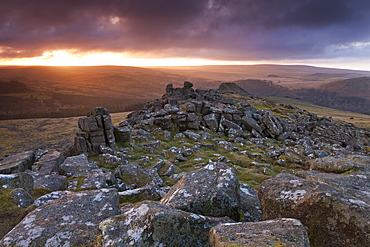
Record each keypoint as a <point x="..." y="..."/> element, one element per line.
<point x="95" y="130"/>
<point x="154" y="224"/>
<point x="48" y="163"/>
<point x="182" y="140"/>
<point x="187" y="109"/>
<point x="211" y="191"/>
<point x="333" y="207"/>
<point x="278" y="232"/>
<point x="231" y="87"/>
<point x="71" y="220"/>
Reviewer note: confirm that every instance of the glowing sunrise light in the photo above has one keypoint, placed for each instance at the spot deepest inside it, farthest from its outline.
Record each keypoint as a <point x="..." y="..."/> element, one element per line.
<point x="72" y="58"/>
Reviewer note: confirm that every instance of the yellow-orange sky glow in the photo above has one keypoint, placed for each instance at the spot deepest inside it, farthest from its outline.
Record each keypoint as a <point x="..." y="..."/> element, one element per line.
<point x="70" y="58"/>
<point x="73" y="58"/>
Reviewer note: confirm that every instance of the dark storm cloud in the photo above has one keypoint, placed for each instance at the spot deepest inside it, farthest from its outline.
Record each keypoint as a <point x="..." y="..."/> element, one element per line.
<point x="218" y="29"/>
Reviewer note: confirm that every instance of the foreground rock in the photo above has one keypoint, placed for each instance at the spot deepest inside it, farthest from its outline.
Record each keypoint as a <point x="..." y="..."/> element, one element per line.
<point x="335" y="212"/>
<point x="278" y="232"/>
<point x="153" y="224"/>
<point x="71" y="220"/>
<point x="341" y="164"/>
<point x="212" y="191"/>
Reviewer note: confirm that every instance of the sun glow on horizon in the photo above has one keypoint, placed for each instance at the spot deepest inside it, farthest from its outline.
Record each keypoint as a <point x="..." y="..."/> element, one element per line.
<point x="71" y="58"/>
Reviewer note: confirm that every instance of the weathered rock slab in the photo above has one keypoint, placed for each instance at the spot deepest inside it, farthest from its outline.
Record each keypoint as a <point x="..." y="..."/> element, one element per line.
<point x="341" y="164"/>
<point x="71" y="220"/>
<point x="333" y="216"/>
<point x="211" y="191"/>
<point x="18" y="162"/>
<point x="51" y="182"/>
<point x="278" y="232"/>
<point x="153" y="224"/>
<point x="49" y="162"/>
<point x="76" y="166"/>
<point x="250" y="207"/>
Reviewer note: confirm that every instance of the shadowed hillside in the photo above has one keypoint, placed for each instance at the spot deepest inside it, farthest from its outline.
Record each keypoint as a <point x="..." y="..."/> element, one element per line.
<point x="358" y="87"/>
<point x="71" y="91"/>
<point x="263" y="88"/>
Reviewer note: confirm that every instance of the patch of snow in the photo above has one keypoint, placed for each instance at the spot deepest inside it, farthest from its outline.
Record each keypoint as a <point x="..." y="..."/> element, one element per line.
<point x="361" y="176"/>
<point x="293" y="196"/>
<point x="98" y="197"/>
<point x="295" y="183"/>
<point x="295" y="221"/>
<point x="232" y="224"/>
<point x="130" y="192"/>
<point x="358" y="202"/>
<point x="185" y="193"/>
<point x="246" y="191"/>
<point x="227" y="173"/>
<point x="67" y="217"/>
<point x="210" y="167"/>
<point x="196" y="216"/>
<point x="8" y="176"/>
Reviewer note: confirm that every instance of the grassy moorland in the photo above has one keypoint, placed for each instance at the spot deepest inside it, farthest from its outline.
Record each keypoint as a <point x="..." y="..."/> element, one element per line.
<point x="71" y="91"/>
<point x="41" y="133"/>
<point x="57" y="133"/>
<point x="361" y="120"/>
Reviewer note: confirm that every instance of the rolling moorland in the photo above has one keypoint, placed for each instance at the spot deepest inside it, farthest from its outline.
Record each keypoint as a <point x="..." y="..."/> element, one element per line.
<point x="231" y="143"/>
<point x="72" y="91"/>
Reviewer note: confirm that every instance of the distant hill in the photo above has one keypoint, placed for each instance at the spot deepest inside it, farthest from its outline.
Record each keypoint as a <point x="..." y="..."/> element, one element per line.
<point x="340" y="95"/>
<point x="72" y="90"/>
<point x="263" y="88"/>
<point x="13" y="87"/>
<point x="232" y="87"/>
<point x="358" y="87"/>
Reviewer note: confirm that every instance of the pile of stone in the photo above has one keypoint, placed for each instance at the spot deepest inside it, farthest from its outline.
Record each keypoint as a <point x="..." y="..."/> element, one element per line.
<point x="187" y="109"/>
<point x="95" y="130"/>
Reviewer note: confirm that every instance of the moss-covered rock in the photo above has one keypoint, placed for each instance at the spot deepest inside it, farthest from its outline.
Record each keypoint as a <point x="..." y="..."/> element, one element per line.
<point x="334" y="215"/>
<point x="212" y="191"/>
<point x="71" y="220"/>
<point x="154" y="224"/>
<point x="278" y="232"/>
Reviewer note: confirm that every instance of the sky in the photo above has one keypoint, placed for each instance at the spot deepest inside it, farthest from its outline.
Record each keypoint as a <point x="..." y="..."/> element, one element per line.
<point x="329" y="33"/>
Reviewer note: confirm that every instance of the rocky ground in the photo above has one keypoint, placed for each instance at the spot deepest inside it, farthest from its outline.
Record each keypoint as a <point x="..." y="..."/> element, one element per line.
<point x="194" y="168"/>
